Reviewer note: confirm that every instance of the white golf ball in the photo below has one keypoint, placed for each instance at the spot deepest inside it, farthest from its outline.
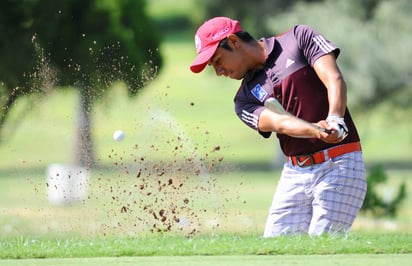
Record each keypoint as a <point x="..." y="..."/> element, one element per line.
<point x="118" y="135"/>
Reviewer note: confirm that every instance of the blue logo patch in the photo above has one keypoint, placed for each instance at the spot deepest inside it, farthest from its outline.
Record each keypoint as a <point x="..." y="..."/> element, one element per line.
<point x="259" y="92"/>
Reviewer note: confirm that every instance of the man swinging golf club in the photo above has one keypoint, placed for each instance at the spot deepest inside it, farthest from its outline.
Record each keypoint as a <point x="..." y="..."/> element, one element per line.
<point x="322" y="185"/>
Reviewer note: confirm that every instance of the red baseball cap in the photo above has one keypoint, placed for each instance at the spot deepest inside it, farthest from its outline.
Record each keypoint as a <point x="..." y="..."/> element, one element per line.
<point x="207" y="39"/>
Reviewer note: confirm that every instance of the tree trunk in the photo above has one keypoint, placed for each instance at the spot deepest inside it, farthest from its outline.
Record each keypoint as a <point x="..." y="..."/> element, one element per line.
<point x="83" y="146"/>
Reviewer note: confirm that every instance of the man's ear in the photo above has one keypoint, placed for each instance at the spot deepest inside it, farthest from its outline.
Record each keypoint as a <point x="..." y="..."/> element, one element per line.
<point x="233" y="40"/>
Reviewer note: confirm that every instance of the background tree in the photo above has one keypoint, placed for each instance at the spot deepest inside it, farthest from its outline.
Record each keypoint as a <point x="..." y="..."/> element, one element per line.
<point x="17" y="71"/>
<point x="84" y="44"/>
<point x="380" y="206"/>
<point x="252" y="13"/>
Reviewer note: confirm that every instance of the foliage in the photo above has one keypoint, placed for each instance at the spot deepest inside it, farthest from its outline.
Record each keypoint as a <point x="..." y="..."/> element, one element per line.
<point x="252" y="14"/>
<point x="87" y="44"/>
<point x="378" y="206"/>
<point x="110" y="41"/>
<point x="17" y="74"/>
<point x="83" y="44"/>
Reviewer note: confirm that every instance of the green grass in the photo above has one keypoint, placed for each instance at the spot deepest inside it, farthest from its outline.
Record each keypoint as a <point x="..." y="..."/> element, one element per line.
<point x="206" y="245"/>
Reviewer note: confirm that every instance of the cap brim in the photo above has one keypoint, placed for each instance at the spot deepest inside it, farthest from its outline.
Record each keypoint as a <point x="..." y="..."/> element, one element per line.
<point x="203" y="58"/>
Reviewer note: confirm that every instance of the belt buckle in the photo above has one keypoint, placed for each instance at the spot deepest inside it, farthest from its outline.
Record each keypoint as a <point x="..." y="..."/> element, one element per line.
<point x="309" y="159"/>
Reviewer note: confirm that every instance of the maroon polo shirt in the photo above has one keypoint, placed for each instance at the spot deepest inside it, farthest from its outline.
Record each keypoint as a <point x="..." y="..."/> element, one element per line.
<point x="288" y="75"/>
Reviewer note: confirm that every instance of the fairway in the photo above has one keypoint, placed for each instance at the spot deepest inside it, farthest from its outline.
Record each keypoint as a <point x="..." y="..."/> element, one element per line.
<point x="307" y="260"/>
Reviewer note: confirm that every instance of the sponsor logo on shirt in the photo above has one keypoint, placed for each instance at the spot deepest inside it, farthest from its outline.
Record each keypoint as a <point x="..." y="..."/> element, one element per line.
<point x="259" y="92"/>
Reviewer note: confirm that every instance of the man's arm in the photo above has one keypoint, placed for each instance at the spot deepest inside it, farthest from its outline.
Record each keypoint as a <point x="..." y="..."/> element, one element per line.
<point x="289" y="125"/>
<point x="328" y="71"/>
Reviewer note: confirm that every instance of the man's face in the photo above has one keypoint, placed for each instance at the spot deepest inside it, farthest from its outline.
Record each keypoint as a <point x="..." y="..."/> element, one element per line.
<point x="229" y="63"/>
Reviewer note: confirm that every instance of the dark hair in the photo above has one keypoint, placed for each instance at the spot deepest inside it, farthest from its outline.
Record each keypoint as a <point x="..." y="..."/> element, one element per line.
<point x="243" y="35"/>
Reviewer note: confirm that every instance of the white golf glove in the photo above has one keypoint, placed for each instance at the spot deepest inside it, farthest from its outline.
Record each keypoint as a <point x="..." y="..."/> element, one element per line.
<point x="338" y="123"/>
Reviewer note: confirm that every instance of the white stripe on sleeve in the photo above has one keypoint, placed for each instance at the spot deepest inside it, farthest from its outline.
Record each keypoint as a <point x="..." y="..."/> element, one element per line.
<point x="323" y="44"/>
<point x="250" y="119"/>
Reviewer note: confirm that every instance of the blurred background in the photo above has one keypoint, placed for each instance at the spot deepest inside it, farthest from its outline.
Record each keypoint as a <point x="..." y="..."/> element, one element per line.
<point x="73" y="72"/>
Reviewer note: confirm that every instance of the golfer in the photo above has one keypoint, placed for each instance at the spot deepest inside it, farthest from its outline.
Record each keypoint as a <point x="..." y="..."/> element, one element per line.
<point x="322" y="185"/>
